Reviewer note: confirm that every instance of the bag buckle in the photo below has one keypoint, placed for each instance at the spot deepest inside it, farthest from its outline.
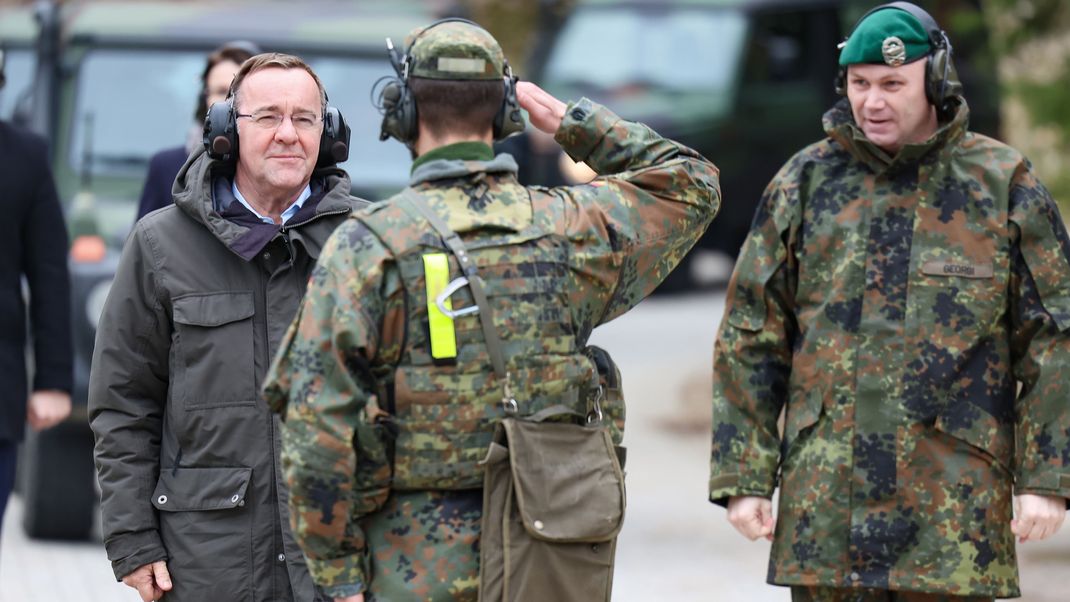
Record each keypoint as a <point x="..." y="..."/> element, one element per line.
<point x="508" y="401"/>
<point x="455" y="285"/>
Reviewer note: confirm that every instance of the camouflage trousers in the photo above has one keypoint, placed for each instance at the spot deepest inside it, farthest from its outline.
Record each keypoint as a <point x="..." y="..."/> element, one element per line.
<point x="424" y="545"/>
<point x="847" y="594"/>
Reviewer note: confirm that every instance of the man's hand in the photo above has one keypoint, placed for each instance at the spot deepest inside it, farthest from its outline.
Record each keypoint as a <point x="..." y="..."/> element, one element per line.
<point x="46" y="409"/>
<point x="356" y="598"/>
<point x="1037" y="516"/>
<point x="752" y="516"/>
<point x="545" y="111"/>
<point x="151" y="581"/>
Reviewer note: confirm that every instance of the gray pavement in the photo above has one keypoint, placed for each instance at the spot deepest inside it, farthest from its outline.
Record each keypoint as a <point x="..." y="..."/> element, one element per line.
<point x="675" y="545"/>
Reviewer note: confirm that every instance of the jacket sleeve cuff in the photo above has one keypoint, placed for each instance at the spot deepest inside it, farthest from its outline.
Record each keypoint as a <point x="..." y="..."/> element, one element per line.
<point x="1051" y="485"/>
<point x="583" y="128"/>
<point x="338" y="577"/>
<point x="726" y="485"/>
<point x="52" y="382"/>
<point x="130" y="551"/>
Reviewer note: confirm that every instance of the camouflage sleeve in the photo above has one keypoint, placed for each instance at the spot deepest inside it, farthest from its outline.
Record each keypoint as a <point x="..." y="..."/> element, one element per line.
<point x="1040" y="344"/>
<point x="753" y="352"/>
<point x="334" y="463"/>
<point x="631" y="226"/>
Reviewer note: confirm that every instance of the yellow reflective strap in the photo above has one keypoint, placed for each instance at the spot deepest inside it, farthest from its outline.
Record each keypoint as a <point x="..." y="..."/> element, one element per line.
<point x="436" y="277"/>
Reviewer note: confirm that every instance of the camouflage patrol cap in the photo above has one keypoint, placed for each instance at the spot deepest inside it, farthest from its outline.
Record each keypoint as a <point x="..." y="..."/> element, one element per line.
<point x="888" y="36"/>
<point x="455" y="50"/>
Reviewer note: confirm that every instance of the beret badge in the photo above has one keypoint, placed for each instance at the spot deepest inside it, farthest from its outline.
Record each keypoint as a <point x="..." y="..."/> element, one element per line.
<point x="894" y="51"/>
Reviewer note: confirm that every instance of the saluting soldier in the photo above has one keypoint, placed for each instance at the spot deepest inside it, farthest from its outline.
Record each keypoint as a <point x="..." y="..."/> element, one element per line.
<point x="554" y="262"/>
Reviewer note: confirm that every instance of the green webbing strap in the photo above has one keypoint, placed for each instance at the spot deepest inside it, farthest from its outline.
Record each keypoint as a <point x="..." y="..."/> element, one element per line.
<point x="443" y="335"/>
<point x="486" y="313"/>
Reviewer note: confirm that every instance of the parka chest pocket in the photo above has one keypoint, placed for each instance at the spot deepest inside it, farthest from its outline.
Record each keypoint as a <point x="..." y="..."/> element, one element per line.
<point x="214" y="349"/>
<point x="954" y="296"/>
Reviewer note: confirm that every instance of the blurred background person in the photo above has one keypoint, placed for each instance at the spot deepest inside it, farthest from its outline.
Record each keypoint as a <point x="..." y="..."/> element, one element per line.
<point x="218" y="72"/>
<point x="33" y="244"/>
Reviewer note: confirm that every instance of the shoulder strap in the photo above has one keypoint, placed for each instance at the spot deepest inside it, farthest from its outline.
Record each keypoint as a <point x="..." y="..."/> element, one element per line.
<point x="410" y="199"/>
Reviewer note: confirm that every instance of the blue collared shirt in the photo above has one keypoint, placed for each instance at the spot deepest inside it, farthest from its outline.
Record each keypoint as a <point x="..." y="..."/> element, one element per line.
<point x="286" y="215"/>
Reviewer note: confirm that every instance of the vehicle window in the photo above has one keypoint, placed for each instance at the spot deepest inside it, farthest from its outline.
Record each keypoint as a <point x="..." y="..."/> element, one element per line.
<point x="372" y="164"/>
<point x="18" y="70"/>
<point x="781" y="48"/>
<point x="131" y="104"/>
<point x="684" y="49"/>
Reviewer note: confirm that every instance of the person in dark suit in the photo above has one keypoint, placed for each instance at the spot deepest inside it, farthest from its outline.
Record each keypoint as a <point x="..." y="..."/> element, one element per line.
<point x="33" y="244"/>
<point x="219" y="70"/>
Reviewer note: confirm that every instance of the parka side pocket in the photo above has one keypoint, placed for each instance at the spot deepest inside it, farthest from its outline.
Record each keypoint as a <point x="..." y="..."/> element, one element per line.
<point x="206" y="528"/>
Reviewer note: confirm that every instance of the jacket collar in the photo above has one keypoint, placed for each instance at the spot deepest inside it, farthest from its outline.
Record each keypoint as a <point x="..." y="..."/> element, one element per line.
<point x="441" y="169"/>
<point x="202" y="191"/>
<point x="471" y="195"/>
<point x="840" y="125"/>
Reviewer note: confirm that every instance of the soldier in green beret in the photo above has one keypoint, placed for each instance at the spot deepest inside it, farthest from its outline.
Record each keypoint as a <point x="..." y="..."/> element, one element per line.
<point x="904" y="299"/>
<point x="382" y="351"/>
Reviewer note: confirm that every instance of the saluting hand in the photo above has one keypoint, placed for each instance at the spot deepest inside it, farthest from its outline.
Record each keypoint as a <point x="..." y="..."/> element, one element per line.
<point x="752" y="516"/>
<point x="544" y="111"/>
<point x="1037" y="516"/>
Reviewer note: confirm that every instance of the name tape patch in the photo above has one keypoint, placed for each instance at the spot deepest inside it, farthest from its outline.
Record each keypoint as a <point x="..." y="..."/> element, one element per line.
<point x="953" y="268"/>
<point x="459" y="65"/>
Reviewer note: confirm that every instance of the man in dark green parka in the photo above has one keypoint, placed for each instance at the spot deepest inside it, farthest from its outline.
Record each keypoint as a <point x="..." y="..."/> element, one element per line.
<point x="186" y="450"/>
<point x="904" y="297"/>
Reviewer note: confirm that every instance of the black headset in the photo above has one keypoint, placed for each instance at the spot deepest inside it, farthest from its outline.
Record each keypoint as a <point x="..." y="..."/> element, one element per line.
<point x="221" y="134"/>
<point x="399" y="106"/>
<point x="941" y="80"/>
<point x="3" y="78"/>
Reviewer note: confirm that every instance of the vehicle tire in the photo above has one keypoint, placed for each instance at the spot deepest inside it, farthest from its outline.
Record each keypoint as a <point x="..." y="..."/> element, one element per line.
<point x="56" y="482"/>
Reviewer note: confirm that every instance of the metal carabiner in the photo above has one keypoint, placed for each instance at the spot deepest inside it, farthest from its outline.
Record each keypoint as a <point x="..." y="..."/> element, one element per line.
<point x="455" y="285"/>
<point x="595" y="415"/>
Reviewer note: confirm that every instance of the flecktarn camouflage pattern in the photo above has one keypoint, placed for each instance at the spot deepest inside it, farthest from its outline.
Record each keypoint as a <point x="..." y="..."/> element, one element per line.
<point x="556" y="263"/>
<point x="894" y="305"/>
<point x="455" y="50"/>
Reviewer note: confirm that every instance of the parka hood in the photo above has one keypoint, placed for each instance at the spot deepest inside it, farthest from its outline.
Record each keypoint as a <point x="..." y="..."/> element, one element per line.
<point x="198" y="178"/>
<point x="839" y="124"/>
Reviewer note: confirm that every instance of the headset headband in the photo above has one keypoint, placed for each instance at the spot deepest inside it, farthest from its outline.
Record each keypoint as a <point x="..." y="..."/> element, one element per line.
<point x="937" y="37"/>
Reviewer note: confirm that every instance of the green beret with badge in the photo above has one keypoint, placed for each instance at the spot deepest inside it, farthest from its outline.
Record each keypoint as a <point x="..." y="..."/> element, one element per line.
<point x="455" y="50"/>
<point x="887" y="37"/>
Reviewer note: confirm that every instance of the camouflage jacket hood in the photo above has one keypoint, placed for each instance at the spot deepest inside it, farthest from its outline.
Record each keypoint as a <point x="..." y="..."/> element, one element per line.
<point x="910" y="315"/>
<point x="839" y="124"/>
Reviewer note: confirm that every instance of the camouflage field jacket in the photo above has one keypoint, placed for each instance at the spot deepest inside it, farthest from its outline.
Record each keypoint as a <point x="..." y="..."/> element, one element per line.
<point x="911" y="314"/>
<point x="624" y="233"/>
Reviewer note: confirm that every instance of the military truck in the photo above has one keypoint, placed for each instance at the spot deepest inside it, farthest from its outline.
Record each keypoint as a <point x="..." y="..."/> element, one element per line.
<point x="111" y="83"/>
<point x="744" y="82"/>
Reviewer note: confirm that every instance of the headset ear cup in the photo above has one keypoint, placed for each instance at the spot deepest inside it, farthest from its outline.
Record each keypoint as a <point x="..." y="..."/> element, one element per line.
<point x="942" y="80"/>
<point x="509" y="120"/>
<point x="399" y="113"/>
<point x="334" y="142"/>
<point x="221" y="132"/>
<point x="840" y="83"/>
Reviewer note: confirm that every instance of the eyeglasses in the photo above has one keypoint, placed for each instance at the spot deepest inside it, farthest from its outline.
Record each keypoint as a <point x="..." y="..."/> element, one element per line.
<point x="267" y="120"/>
